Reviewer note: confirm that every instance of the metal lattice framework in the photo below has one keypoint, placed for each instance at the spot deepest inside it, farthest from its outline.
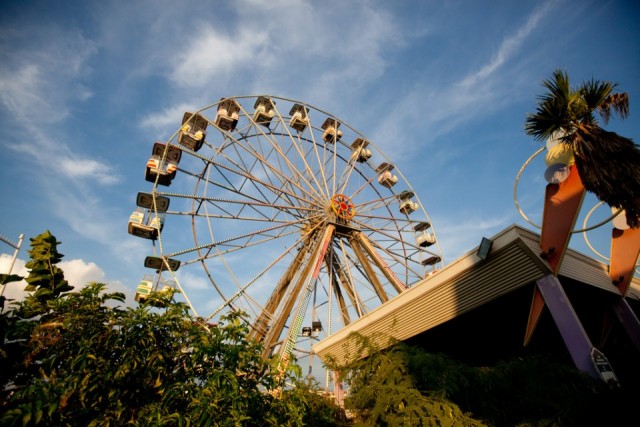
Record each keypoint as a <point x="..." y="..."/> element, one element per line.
<point x="285" y="212"/>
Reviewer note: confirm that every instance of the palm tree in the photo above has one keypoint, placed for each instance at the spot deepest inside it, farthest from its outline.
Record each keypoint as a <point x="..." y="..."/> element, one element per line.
<point x="608" y="164"/>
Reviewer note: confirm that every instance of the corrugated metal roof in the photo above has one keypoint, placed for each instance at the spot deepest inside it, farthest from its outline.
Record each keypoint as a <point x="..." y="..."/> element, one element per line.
<point x="462" y="286"/>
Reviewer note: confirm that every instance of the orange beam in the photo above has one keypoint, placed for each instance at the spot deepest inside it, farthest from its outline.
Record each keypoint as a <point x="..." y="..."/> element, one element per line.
<point x="625" y="248"/>
<point x="562" y="204"/>
<point x="537" y="305"/>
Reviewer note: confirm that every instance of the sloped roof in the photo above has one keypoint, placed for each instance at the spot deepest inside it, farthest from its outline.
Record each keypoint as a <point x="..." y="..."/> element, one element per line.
<point x="464" y="285"/>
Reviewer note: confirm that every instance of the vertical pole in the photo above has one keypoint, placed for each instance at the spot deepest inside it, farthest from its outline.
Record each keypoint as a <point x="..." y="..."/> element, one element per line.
<point x="15" y="255"/>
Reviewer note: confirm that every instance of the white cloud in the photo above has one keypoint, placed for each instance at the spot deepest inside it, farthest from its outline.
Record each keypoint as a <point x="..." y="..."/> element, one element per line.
<point x="166" y="121"/>
<point x="212" y="52"/>
<point x="75" y="168"/>
<point x="77" y="272"/>
<point x="41" y="82"/>
<point x="41" y="76"/>
<point x="278" y="47"/>
<point x="13" y="290"/>
<point x="458" y="237"/>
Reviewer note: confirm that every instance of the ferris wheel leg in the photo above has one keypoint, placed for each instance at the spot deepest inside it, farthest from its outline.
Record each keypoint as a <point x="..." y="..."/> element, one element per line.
<point x="537" y="306"/>
<point x="625" y="248"/>
<point x="562" y="204"/>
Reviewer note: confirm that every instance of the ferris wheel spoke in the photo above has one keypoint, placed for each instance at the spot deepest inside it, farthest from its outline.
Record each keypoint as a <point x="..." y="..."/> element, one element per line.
<point x="261" y="160"/>
<point x="218" y="202"/>
<point x="243" y="237"/>
<point x="310" y="156"/>
<point x="378" y="203"/>
<point x="261" y="326"/>
<point x="296" y="143"/>
<point x="345" y="180"/>
<point x="277" y="191"/>
<point x="297" y="175"/>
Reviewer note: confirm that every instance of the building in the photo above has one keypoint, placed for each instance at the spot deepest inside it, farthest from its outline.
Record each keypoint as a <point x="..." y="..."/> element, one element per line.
<point x="477" y="311"/>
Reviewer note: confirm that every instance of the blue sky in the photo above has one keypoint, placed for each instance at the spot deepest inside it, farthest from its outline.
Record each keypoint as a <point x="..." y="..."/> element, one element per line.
<point x="441" y="87"/>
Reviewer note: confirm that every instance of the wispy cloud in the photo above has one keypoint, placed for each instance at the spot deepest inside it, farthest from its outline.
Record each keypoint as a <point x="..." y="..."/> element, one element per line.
<point x="76" y="271"/>
<point x="443" y="106"/>
<point x="459" y="236"/>
<point x="279" y="48"/>
<point x="45" y="74"/>
<point x="509" y="46"/>
<point x="43" y="82"/>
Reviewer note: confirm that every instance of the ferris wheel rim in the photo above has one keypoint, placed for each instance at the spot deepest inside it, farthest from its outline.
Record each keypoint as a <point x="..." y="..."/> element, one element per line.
<point x="367" y="219"/>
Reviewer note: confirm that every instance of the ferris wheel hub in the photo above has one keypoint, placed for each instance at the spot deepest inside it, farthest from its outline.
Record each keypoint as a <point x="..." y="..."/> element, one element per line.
<point x="343" y="207"/>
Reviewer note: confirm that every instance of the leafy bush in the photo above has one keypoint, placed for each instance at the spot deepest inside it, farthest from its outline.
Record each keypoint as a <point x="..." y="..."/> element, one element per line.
<point x="76" y="358"/>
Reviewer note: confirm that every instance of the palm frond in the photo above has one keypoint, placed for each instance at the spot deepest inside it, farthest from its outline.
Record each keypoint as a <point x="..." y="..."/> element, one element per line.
<point x="594" y="92"/>
<point x="620" y="104"/>
<point x="555" y="110"/>
<point x="558" y="86"/>
<point x="609" y="166"/>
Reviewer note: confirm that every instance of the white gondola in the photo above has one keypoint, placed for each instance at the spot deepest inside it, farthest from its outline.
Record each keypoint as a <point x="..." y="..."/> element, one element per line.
<point x="316" y="328"/>
<point x="360" y="151"/>
<point x="332" y="133"/>
<point x="145" y="200"/>
<point x="228" y="114"/>
<point x="265" y="110"/>
<point x="151" y="283"/>
<point x="165" y="170"/>
<point x="299" y="117"/>
<point x="144" y="289"/>
<point x="142" y="222"/>
<point x="386" y="178"/>
<point x="432" y="260"/>
<point x="407" y="206"/>
<point x="193" y="131"/>
<point x="159" y="264"/>
<point x="424" y="238"/>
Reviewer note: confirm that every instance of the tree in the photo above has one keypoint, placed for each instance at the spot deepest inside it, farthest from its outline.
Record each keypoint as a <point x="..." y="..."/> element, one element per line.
<point x="405" y="385"/>
<point x="384" y="392"/>
<point x="91" y="364"/>
<point x="45" y="283"/>
<point x="46" y="280"/>
<point x="83" y="360"/>
<point x="608" y="164"/>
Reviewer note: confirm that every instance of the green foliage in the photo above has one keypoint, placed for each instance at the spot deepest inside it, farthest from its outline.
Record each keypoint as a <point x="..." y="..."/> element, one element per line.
<point x="89" y="364"/>
<point x="383" y="392"/>
<point x="316" y="407"/>
<point x="404" y="385"/>
<point x="45" y="280"/>
<point x="77" y="358"/>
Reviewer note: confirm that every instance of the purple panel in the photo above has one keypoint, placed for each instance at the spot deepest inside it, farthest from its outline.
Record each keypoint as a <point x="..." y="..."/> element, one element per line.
<point x="573" y="334"/>
<point x="629" y="320"/>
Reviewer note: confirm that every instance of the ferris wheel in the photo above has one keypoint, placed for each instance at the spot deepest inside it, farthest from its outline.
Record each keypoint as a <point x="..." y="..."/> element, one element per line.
<point x="279" y="209"/>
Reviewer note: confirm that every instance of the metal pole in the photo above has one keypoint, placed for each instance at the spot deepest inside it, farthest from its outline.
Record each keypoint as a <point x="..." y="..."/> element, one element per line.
<point x="15" y="255"/>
